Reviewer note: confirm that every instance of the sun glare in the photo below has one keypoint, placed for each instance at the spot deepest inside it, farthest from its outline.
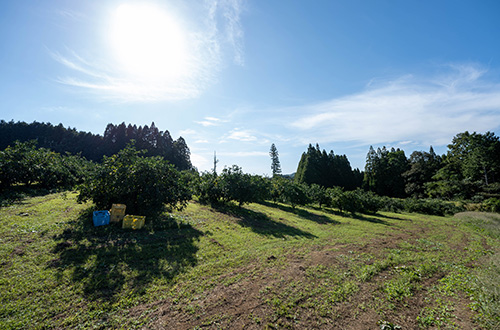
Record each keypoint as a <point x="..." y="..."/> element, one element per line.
<point x="148" y="43"/>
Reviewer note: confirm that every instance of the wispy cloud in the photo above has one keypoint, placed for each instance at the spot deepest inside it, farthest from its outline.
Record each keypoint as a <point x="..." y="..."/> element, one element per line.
<point x="241" y="135"/>
<point x="232" y="10"/>
<point x="213" y="29"/>
<point x="211" y="121"/>
<point x="187" y="132"/>
<point x="427" y="111"/>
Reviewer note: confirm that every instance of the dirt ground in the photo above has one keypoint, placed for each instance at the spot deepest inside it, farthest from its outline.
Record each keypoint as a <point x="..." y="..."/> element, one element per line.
<point x="242" y="305"/>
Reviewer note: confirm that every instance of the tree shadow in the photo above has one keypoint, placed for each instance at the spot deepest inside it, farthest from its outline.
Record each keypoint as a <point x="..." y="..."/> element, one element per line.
<point x="105" y="260"/>
<point x="260" y="223"/>
<point x="320" y="219"/>
<point x="17" y="194"/>
<point x="372" y="219"/>
<point x="358" y="216"/>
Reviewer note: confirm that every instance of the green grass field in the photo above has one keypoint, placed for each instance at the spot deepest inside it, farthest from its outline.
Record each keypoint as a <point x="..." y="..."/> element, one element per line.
<point x="263" y="266"/>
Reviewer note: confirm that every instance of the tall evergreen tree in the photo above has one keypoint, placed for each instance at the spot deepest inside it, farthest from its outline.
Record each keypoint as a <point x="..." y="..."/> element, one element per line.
<point x="325" y="169"/>
<point x="275" y="161"/>
<point x="384" y="172"/>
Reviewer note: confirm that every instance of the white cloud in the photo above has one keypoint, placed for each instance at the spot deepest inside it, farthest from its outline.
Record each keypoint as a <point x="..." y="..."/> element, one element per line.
<point x="407" y="109"/>
<point x="211" y="29"/>
<point x="210" y="121"/>
<point x="234" y="33"/>
<point x="187" y="132"/>
<point x="201" y="141"/>
<point x="199" y="161"/>
<point x="241" y="135"/>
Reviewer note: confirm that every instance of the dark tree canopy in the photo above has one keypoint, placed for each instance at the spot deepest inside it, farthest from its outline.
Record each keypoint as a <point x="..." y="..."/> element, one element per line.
<point x="94" y="146"/>
<point x="384" y="172"/>
<point x="325" y="169"/>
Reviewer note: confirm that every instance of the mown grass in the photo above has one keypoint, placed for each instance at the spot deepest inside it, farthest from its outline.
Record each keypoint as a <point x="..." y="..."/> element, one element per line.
<point x="310" y="266"/>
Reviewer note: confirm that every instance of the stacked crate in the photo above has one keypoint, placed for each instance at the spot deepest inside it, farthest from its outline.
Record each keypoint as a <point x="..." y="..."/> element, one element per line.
<point x="133" y="221"/>
<point x="117" y="212"/>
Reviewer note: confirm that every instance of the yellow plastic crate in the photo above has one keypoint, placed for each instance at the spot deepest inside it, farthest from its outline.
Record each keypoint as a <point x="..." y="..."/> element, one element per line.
<point x="133" y="221"/>
<point x="117" y="212"/>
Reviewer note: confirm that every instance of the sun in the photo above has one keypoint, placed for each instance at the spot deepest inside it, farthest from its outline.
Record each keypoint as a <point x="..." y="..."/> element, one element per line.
<point x="147" y="42"/>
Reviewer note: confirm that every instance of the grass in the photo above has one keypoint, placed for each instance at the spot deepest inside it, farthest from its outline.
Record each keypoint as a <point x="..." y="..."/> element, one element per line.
<point x="260" y="266"/>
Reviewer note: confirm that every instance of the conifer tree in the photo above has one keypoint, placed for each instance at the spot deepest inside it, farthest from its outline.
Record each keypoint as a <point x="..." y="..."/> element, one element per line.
<point x="275" y="161"/>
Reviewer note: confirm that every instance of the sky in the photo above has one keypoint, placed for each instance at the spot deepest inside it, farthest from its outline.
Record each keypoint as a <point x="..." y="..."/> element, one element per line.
<point x="235" y="76"/>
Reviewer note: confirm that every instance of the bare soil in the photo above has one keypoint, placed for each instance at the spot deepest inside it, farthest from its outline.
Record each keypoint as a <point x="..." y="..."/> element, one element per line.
<point x="242" y="305"/>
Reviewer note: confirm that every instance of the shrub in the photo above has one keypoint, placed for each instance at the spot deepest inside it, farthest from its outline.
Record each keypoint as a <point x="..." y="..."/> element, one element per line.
<point x="318" y="194"/>
<point x="145" y="184"/>
<point x="491" y="205"/>
<point x="232" y="185"/>
<point x="23" y="163"/>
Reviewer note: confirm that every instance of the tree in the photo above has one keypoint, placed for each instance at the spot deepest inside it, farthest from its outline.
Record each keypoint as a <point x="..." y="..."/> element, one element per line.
<point x="478" y="155"/>
<point x="23" y="163"/>
<point x="422" y="167"/>
<point x="145" y="184"/>
<point x="469" y="168"/>
<point x="325" y="169"/>
<point x="275" y="162"/>
<point x="384" y="172"/>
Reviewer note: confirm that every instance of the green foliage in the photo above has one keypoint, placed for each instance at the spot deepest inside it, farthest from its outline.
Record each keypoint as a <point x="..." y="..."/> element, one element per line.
<point x="356" y="201"/>
<point x="423" y="166"/>
<point x="318" y="194"/>
<point x="384" y="172"/>
<point x="294" y="194"/>
<point x="491" y="205"/>
<point x="208" y="188"/>
<point x="275" y="161"/>
<point x="470" y="166"/>
<point x="145" y="184"/>
<point x="93" y="146"/>
<point x="327" y="170"/>
<point x="23" y="163"/>
<point x="232" y="185"/>
<point x="423" y="206"/>
<point x="241" y="187"/>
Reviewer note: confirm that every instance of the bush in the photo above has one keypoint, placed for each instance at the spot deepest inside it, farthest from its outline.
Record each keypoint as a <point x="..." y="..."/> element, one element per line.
<point x="145" y="184"/>
<point x="232" y="185"/>
<point x="354" y="201"/>
<point x="241" y="187"/>
<point x="318" y="194"/>
<point x="23" y="163"/>
<point x="491" y="205"/>
<point x="423" y="206"/>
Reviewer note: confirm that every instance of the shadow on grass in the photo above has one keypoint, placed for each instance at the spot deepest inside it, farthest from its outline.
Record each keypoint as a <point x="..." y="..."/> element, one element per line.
<point x="320" y="219"/>
<point x="108" y="260"/>
<point x="16" y="194"/>
<point x="362" y="217"/>
<point x="372" y="219"/>
<point x="260" y="223"/>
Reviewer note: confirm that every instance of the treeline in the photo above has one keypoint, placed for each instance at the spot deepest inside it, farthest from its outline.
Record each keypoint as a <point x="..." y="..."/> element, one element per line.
<point x="470" y="170"/>
<point x="140" y="173"/>
<point x="93" y="146"/>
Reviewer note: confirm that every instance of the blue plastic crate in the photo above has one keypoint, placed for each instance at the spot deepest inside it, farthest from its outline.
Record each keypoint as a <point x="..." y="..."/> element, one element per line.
<point x="101" y="218"/>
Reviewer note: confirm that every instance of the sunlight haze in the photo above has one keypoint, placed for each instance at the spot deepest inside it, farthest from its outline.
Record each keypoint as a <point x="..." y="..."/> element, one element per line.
<point x="235" y="76"/>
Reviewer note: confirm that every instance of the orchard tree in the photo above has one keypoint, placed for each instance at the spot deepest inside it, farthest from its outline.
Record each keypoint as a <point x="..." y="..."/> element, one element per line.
<point x="145" y="184"/>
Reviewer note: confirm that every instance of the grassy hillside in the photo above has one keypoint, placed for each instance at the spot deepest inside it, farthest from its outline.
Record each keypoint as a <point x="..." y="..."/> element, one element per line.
<point x="261" y="266"/>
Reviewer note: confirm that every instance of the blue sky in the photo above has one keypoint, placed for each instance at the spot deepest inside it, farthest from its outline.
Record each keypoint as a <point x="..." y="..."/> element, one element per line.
<point x="235" y="76"/>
